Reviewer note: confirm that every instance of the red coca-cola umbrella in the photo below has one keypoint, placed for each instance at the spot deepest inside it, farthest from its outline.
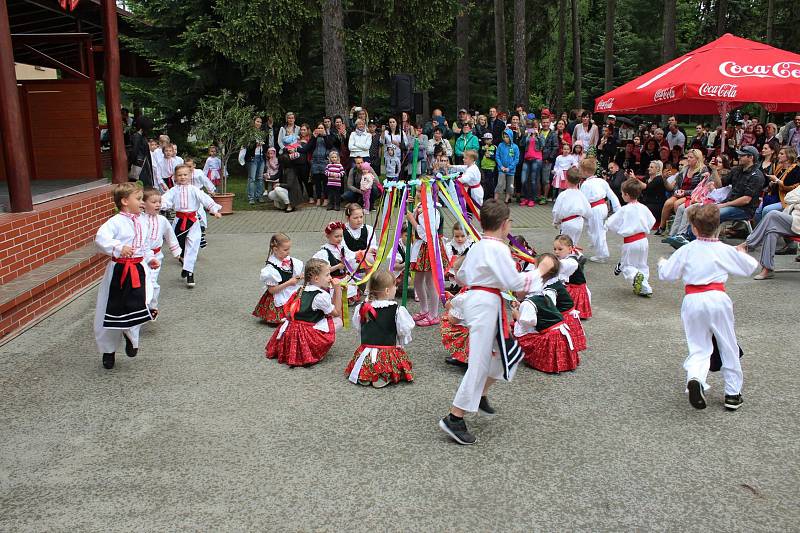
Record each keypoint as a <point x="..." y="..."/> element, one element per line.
<point x="715" y="78"/>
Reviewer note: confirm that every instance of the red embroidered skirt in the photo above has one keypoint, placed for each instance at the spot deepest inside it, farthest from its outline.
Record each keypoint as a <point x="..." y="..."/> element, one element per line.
<point x="548" y="352"/>
<point x="300" y="344"/>
<point x="391" y="364"/>
<point x="576" y="331"/>
<point x="423" y="262"/>
<point x="455" y="339"/>
<point x="267" y="311"/>
<point x="580" y="295"/>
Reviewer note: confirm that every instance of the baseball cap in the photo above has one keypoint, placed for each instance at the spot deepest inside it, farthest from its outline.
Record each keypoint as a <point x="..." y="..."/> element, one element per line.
<point x="462" y="110"/>
<point x="748" y="150"/>
<point x="546" y="113"/>
<point x="487" y="135"/>
<point x="612" y="117"/>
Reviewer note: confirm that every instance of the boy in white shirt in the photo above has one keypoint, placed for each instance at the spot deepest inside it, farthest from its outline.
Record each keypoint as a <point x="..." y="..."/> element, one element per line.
<point x="597" y="192"/>
<point x="571" y="208"/>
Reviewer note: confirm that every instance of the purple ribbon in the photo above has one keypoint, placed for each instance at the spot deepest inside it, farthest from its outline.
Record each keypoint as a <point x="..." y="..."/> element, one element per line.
<point x="438" y="249"/>
<point x="398" y="230"/>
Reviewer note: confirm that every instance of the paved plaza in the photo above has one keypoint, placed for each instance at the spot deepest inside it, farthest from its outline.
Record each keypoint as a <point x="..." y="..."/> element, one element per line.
<point x="201" y="432"/>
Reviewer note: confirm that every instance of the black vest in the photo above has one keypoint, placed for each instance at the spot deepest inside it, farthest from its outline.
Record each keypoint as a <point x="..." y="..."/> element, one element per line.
<point x="547" y="314"/>
<point x="454" y="252"/>
<point x="355" y="245"/>
<point x="577" y="277"/>
<point x="563" y="299"/>
<point x="380" y="331"/>
<point x="285" y="275"/>
<point x="332" y="259"/>
<point x="306" y="313"/>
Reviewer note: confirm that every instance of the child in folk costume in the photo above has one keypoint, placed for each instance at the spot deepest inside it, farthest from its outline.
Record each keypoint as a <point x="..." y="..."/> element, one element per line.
<point x="541" y="330"/>
<point x="165" y="178"/>
<point x="571" y="207"/>
<point x="424" y="269"/>
<point x="597" y="191"/>
<point x="385" y="328"/>
<point x="201" y="181"/>
<point x="159" y="231"/>
<point x="212" y="169"/>
<point x="455" y="335"/>
<point x="572" y="273"/>
<point x="707" y="312"/>
<point x="186" y="199"/>
<point x="280" y="276"/>
<point x="470" y="177"/>
<point x="339" y="257"/>
<point x="555" y="288"/>
<point x="456" y="247"/>
<point x="561" y="168"/>
<point x="309" y="330"/>
<point x="487" y="270"/>
<point x="633" y="221"/>
<point x="358" y="236"/>
<point x="125" y="289"/>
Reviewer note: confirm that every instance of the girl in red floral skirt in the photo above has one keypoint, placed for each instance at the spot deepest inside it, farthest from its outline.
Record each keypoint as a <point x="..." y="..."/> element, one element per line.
<point x="340" y="258"/>
<point x="309" y="330"/>
<point x="555" y="288"/>
<point x="572" y="271"/>
<point x="280" y="276"/>
<point x="455" y="335"/>
<point x="384" y="327"/>
<point x="424" y="286"/>
<point x="541" y="331"/>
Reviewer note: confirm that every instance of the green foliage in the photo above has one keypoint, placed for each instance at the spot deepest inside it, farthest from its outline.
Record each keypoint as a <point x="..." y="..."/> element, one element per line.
<point x="225" y="120"/>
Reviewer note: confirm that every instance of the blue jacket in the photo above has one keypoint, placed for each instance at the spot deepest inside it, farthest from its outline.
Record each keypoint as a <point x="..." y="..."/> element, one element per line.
<point x="507" y="154"/>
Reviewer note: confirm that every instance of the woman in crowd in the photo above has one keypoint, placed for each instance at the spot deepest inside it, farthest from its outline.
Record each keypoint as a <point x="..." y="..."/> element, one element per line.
<point x="775" y="225"/>
<point x="394" y="135"/>
<point x="655" y="192"/>
<point x="340" y="140"/>
<point x="783" y="175"/>
<point x="481" y="126"/>
<point x="288" y="133"/>
<point x="649" y="153"/>
<point x="254" y="156"/>
<point x="586" y="133"/>
<point x="685" y="182"/>
<point x="561" y="130"/>
<point x="465" y="141"/>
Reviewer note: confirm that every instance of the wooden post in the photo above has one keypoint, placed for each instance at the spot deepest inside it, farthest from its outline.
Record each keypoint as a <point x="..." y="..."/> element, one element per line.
<point x="119" y="160"/>
<point x="15" y="146"/>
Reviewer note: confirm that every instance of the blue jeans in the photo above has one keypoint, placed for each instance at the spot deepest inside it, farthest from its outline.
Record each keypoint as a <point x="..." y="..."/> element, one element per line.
<point x="762" y="210"/>
<point x="726" y="214"/>
<point x="255" y="183"/>
<point x="531" y="175"/>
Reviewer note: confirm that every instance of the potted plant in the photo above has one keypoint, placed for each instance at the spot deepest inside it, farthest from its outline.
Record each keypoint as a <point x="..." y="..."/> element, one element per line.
<point x="224" y="120"/>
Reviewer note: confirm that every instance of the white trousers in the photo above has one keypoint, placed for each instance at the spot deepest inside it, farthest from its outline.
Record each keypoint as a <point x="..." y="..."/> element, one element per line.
<point x="154" y="272"/>
<point x="280" y="196"/>
<point x="706" y="314"/>
<point x="573" y="228"/>
<point x="597" y="230"/>
<point x="192" y="247"/>
<point x="634" y="260"/>
<point x="480" y="316"/>
<point x="108" y="340"/>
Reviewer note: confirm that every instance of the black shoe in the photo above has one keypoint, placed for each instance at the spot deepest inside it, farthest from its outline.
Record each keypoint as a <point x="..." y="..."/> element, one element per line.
<point x="108" y="360"/>
<point x="659" y="231"/>
<point x="696" y="395"/>
<point x="733" y="401"/>
<point x="457" y="430"/>
<point x="130" y="351"/>
<point x="184" y="273"/>
<point x="484" y="408"/>
<point x="618" y="269"/>
<point x="455" y="362"/>
<point x="190" y="279"/>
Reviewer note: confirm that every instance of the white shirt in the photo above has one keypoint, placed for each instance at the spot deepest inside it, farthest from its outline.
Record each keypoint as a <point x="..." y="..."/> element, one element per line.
<point x="356" y="233"/>
<point x="489" y="264"/>
<point x="121" y="230"/>
<point x="567" y="268"/>
<point x="165" y="167"/>
<point x="350" y="259"/>
<point x="213" y="168"/>
<point x="200" y="180"/>
<point x="188" y="198"/>
<point x="631" y="219"/>
<point x="270" y="277"/>
<point x="471" y="177"/>
<point x="570" y="202"/>
<point x="702" y="262"/>
<point x="159" y="230"/>
<point x="595" y="189"/>
<point x="528" y="318"/>
<point x="322" y="302"/>
<point x="565" y="162"/>
<point x="402" y="320"/>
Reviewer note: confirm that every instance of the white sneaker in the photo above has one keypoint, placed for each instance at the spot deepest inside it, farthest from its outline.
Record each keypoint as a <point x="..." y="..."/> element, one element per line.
<point x="596" y="259"/>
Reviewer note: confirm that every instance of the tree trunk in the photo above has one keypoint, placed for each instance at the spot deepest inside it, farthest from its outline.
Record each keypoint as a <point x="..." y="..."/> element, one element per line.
<point x="462" y="65"/>
<point x="500" y="61"/>
<point x="558" y="98"/>
<point x="333" y="66"/>
<point x="426" y="105"/>
<point x="770" y="20"/>
<point x="576" y="54"/>
<point x="668" y="38"/>
<point x="722" y="15"/>
<point x="364" y="82"/>
<point x="520" y="55"/>
<point x="611" y="6"/>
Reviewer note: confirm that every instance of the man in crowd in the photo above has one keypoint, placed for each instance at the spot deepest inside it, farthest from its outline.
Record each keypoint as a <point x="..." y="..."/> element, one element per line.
<point x="675" y="137"/>
<point x="496" y="126"/>
<point x="437" y="121"/>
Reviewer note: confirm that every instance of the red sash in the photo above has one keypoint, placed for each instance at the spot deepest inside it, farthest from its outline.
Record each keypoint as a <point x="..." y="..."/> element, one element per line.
<point x="694" y="289"/>
<point x="599" y="202"/>
<point x="129" y="269"/>
<point x="156" y="250"/>
<point x="184" y="216"/>
<point x="478" y="186"/>
<point x="571" y="217"/>
<point x="633" y="238"/>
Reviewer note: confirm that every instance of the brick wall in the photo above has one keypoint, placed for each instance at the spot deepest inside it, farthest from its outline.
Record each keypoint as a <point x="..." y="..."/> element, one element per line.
<point x="31" y="307"/>
<point x="29" y="240"/>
